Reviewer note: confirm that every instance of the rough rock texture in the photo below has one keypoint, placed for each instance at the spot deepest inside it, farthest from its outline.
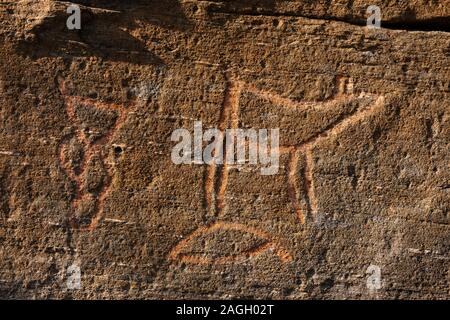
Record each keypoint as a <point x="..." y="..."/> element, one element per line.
<point x="86" y="177"/>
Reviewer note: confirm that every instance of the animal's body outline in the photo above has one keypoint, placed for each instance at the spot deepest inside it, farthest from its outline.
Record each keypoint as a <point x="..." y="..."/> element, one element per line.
<point x="217" y="178"/>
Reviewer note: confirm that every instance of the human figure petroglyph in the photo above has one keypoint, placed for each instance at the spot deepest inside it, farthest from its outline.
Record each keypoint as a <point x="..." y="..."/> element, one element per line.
<point x="217" y="174"/>
<point x="94" y="158"/>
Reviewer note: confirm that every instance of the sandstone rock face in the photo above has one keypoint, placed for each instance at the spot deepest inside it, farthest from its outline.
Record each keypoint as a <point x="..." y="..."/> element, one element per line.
<point x="359" y="207"/>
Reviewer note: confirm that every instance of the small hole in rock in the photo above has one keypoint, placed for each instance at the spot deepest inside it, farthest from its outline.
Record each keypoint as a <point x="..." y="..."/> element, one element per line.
<point x="118" y="150"/>
<point x="93" y="95"/>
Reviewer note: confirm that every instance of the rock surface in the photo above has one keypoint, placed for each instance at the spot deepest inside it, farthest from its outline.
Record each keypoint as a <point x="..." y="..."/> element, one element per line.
<point x="86" y="177"/>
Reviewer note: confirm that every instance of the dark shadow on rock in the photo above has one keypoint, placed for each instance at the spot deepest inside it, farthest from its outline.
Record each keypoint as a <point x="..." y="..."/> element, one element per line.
<point x="233" y="8"/>
<point x="407" y="19"/>
<point x="248" y="6"/>
<point x="104" y="31"/>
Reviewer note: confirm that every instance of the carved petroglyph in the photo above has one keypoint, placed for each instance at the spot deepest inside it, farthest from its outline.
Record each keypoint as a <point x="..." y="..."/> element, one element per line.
<point x="217" y="183"/>
<point x="217" y="174"/>
<point x="179" y="252"/>
<point x="85" y="157"/>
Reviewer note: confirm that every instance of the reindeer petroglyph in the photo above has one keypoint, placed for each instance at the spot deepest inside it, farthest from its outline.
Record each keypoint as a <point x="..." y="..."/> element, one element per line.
<point x="217" y="174"/>
<point x="215" y="195"/>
